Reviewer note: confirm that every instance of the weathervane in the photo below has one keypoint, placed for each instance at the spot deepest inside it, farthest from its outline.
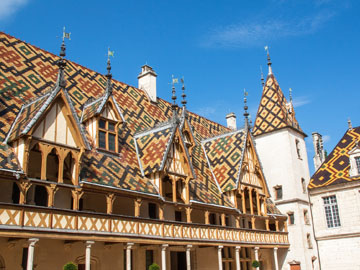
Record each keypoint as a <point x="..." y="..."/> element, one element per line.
<point x="61" y="62"/>
<point x="109" y="75"/>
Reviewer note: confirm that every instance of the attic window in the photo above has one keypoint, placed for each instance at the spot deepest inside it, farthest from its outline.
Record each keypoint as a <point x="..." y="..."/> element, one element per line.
<point x="357" y="161"/>
<point x="107" y="134"/>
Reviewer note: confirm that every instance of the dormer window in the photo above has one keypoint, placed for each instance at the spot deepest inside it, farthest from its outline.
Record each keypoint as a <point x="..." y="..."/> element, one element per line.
<point x="354" y="159"/>
<point x="107" y="135"/>
<point x="357" y="162"/>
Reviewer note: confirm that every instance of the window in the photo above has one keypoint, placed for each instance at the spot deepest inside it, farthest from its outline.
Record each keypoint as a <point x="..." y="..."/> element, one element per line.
<point x="178" y="216"/>
<point x="306" y="217"/>
<point x="308" y="238"/>
<point x="291" y="218"/>
<point x="297" y="143"/>
<point x="331" y="212"/>
<point x="212" y="219"/>
<point x="278" y="192"/>
<point x="303" y="184"/>
<point x="152" y="211"/>
<point x="107" y="134"/>
<point x="149" y="258"/>
<point x="357" y="161"/>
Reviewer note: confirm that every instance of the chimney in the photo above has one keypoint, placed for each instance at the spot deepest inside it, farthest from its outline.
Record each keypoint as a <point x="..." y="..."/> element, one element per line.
<point x="147" y="81"/>
<point x="319" y="155"/>
<point x="231" y="121"/>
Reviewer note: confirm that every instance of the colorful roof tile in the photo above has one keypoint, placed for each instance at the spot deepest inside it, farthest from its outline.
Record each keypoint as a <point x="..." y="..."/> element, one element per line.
<point x="27" y="72"/>
<point x="335" y="168"/>
<point x="8" y="160"/>
<point x="224" y="154"/>
<point x="152" y="146"/>
<point x="274" y="111"/>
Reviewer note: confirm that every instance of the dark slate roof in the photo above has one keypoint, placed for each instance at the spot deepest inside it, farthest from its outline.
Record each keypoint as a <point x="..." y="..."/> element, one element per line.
<point x="335" y="168"/>
<point x="224" y="154"/>
<point x="274" y="111"/>
<point x="27" y="72"/>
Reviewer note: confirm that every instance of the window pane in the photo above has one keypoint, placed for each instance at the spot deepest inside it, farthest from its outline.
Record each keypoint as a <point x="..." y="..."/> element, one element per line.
<point x="112" y="142"/>
<point x="111" y="126"/>
<point x="102" y="139"/>
<point x="331" y="212"/>
<point x="102" y="124"/>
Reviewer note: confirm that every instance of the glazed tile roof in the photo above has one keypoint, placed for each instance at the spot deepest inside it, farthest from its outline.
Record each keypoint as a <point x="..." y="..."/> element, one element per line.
<point x="8" y="160"/>
<point x="27" y="72"/>
<point x="335" y="168"/>
<point x="224" y="154"/>
<point x="274" y="111"/>
<point x="152" y="146"/>
<point x="95" y="107"/>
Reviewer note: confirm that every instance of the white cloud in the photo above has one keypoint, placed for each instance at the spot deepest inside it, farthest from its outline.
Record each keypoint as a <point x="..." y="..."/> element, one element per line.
<point x="9" y="7"/>
<point x="260" y="33"/>
<point x="326" y="138"/>
<point x="206" y="111"/>
<point x="300" y="101"/>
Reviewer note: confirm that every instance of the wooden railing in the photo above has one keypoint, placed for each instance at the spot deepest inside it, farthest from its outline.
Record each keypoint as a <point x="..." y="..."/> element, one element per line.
<point x="27" y="217"/>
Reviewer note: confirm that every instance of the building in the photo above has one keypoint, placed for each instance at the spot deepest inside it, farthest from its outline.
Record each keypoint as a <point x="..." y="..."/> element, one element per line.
<point x="334" y="194"/>
<point x="110" y="176"/>
<point x="280" y="143"/>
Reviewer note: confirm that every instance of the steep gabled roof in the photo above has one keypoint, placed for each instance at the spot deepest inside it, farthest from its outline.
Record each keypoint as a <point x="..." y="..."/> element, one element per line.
<point x="335" y="169"/>
<point x="95" y="107"/>
<point x="224" y="154"/>
<point x="26" y="72"/>
<point x="274" y="111"/>
<point x="152" y="147"/>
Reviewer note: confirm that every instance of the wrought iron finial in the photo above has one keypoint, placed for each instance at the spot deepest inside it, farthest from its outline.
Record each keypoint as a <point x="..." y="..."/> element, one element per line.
<point x="349" y="123"/>
<point x="262" y="77"/>
<point x="109" y="75"/>
<point x="268" y="59"/>
<point x="174" y="106"/>
<point x="183" y="102"/>
<point x="61" y="62"/>
<point x="246" y="114"/>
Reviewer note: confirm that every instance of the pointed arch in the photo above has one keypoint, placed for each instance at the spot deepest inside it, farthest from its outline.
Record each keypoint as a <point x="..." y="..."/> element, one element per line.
<point x="52" y="165"/>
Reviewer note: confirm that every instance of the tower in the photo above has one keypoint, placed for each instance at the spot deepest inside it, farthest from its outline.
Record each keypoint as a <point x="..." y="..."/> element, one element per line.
<point x="280" y="143"/>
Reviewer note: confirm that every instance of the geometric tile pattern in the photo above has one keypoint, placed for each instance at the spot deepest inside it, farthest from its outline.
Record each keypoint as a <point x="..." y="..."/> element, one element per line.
<point x="8" y="159"/>
<point x="152" y="148"/>
<point x="91" y="109"/>
<point x="274" y="111"/>
<point x="27" y="73"/>
<point x="335" y="169"/>
<point x="224" y="154"/>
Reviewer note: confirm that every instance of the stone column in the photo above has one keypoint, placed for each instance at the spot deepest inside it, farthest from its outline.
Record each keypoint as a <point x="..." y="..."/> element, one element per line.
<point x="163" y="256"/>
<point x="276" y="259"/>
<point x="88" y="245"/>
<point x="237" y="257"/>
<point x="128" y="255"/>
<point x="256" y="251"/>
<point x="220" y="257"/>
<point x="31" y="249"/>
<point x="188" y="257"/>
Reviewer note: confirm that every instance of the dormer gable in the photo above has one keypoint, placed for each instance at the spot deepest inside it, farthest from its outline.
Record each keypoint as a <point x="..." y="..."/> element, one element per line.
<point x="102" y="118"/>
<point x="354" y="159"/>
<point x="52" y="118"/>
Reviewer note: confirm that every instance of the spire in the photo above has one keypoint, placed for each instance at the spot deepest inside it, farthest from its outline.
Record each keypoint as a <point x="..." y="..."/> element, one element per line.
<point x="109" y="75"/>
<point x="291" y="101"/>
<point x="246" y="114"/>
<point x="268" y="60"/>
<point x="61" y="62"/>
<point x="174" y="106"/>
<point x="262" y="77"/>
<point x="183" y="102"/>
<point x="349" y="123"/>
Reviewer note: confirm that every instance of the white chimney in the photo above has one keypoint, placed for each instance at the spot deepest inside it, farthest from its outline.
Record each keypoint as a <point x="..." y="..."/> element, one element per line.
<point x="231" y="121"/>
<point x="147" y="81"/>
<point x="319" y="155"/>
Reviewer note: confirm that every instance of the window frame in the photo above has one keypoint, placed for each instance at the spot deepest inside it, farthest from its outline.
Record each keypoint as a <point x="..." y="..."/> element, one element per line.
<point x="107" y="132"/>
<point x="334" y="213"/>
<point x="277" y="189"/>
<point x="291" y="221"/>
<point x="357" y="164"/>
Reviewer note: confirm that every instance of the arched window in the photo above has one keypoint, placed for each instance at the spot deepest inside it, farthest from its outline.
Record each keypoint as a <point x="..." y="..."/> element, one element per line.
<point x="69" y="170"/>
<point x="34" y="166"/>
<point x="52" y="166"/>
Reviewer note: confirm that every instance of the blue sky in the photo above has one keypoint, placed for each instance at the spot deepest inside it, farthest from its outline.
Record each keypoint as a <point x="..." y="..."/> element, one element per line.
<point x="218" y="46"/>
